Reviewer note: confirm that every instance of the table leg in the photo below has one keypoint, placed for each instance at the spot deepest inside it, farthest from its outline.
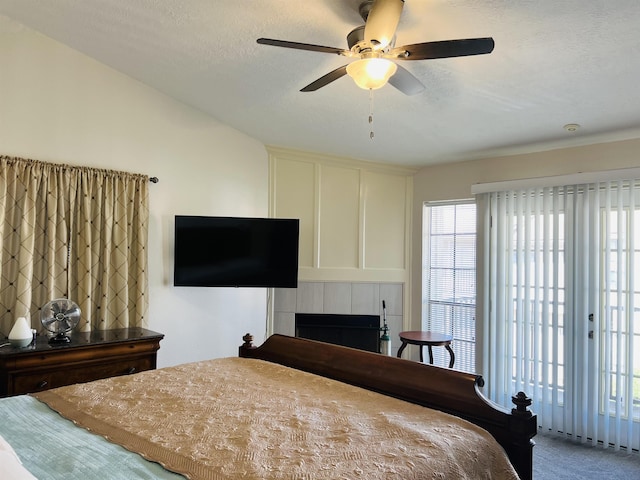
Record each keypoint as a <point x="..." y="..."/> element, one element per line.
<point x="401" y="349"/>
<point x="451" y="354"/>
<point x="430" y="355"/>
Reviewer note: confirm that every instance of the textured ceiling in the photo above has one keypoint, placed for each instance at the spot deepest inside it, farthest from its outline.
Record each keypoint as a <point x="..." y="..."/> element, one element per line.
<point x="554" y="63"/>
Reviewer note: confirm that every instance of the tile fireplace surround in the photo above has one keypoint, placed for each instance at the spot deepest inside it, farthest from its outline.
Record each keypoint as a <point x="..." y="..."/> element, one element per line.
<point x="339" y="297"/>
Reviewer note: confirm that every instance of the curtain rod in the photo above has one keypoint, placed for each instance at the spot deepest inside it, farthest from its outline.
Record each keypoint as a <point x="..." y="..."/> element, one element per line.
<point x="154" y="179"/>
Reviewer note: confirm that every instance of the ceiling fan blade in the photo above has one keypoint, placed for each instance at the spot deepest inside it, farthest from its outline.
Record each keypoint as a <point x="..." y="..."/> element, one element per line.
<point x="382" y="22"/>
<point x="404" y="81"/>
<point x="326" y="79"/>
<point x="443" y="49"/>
<point x="301" y="46"/>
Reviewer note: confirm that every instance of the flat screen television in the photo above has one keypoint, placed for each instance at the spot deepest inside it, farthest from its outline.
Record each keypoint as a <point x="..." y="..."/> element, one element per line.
<point x="235" y="252"/>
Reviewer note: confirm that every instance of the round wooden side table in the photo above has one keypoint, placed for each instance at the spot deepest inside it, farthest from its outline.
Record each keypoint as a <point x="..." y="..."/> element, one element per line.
<point x="430" y="339"/>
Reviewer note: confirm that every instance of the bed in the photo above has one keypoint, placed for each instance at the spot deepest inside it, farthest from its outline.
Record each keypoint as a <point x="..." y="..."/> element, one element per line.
<point x="291" y="408"/>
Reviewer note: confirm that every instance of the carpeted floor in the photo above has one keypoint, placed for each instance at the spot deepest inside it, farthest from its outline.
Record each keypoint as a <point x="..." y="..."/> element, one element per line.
<point x="556" y="458"/>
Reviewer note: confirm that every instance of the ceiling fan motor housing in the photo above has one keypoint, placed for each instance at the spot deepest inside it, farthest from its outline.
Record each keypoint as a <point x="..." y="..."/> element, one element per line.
<point x="365" y="8"/>
<point x="355" y="36"/>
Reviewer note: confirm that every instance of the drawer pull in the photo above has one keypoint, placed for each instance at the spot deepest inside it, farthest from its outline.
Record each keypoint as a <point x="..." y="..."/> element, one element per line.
<point x="131" y="370"/>
<point x="42" y="384"/>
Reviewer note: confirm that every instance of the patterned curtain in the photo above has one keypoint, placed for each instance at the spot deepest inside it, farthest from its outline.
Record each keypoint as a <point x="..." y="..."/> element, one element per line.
<point x="77" y="233"/>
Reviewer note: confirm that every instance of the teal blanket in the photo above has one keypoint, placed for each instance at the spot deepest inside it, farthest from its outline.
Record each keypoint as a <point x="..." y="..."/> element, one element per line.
<point x="53" y="448"/>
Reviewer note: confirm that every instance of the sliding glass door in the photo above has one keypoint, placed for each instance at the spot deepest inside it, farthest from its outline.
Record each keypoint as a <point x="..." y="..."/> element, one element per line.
<point x="615" y="330"/>
<point x="560" y="316"/>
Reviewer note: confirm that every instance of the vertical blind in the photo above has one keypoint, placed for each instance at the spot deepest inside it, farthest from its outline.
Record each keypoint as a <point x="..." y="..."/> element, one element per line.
<point x="562" y="320"/>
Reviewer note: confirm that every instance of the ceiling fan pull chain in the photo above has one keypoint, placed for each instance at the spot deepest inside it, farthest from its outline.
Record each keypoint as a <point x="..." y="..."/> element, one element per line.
<point x="371" y="113"/>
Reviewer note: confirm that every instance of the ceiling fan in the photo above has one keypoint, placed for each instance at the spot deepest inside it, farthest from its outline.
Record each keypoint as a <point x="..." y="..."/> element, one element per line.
<point x="373" y="47"/>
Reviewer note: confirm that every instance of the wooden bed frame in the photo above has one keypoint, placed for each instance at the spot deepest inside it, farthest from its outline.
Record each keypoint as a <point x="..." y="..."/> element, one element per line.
<point x="442" y="389"/>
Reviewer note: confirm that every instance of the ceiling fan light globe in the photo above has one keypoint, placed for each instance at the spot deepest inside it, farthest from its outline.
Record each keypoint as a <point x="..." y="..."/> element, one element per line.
<point x="371" y="73"/>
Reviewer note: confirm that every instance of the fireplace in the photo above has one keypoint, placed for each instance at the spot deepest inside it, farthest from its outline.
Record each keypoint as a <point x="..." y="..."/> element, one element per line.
<point x="356" y="331"/>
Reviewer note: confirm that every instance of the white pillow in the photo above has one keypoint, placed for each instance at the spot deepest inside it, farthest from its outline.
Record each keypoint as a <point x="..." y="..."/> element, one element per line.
<point x="10" y="465"/>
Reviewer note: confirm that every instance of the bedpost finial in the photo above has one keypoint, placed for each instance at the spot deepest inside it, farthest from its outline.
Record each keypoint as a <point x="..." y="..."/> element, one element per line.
<point x="522" y="403"/>
<point x="248" y="341"/>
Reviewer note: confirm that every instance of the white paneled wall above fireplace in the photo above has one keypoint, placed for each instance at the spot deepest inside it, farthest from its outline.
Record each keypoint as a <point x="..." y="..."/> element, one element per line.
<point x="355" y="235"/>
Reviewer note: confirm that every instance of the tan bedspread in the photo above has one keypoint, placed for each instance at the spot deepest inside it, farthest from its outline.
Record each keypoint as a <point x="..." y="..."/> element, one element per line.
<point x="238" y="418"/>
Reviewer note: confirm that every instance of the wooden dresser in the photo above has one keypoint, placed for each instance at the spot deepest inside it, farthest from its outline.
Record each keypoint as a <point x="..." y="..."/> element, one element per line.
<point x="89" y="356"/>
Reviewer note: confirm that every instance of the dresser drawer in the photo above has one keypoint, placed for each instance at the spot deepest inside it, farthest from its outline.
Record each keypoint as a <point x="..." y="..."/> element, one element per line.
<point x="30" y="382"/>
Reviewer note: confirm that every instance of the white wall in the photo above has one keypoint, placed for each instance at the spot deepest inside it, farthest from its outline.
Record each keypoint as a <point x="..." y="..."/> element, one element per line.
<point x="60" y="106"/>
<point x="453" y="182"/>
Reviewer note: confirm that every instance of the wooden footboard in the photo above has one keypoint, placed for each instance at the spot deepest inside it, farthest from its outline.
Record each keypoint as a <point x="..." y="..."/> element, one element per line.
<point x="442" y="389"/>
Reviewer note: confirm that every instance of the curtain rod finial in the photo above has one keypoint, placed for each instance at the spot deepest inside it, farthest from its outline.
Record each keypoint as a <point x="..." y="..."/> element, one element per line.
<point x="154" y="179"/>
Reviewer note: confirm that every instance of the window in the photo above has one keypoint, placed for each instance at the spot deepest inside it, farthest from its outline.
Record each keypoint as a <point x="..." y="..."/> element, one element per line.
<point x="449" y="279"/>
